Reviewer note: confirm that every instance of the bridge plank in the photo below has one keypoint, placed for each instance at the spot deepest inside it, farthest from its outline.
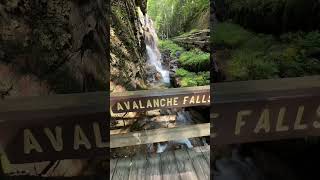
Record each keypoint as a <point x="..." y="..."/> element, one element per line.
<point x="205" y="151"/>
<point x="113" y="164"/>
<point x="122" y="169"/>
<point x="159" y="135"/>
<point x="138" y="167"/>
<point x="184" y="164"/>
<point x="200" y="164"/>
<point x="153" y="169"/>
<point x="169" y="166"/>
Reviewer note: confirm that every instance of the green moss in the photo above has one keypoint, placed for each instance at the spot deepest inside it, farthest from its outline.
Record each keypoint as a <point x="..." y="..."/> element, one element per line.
<point x="188" y="82"/>
<point x="229" y="35"/>
<point x="246" y="65"/>
<point x="182" y="72"/>
<point x="262" y="56"/>
<point x="189" y="33"/>
<point x="170" y="46"/>
<point x="260" y="42"/>
<point x="195" y="60"/>
<point x="189" y="79"/>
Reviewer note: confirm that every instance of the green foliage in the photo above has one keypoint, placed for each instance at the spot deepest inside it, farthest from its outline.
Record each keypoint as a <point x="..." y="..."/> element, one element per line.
<point x="230" y="35"/>
<point x="168" y="45"/>
<point x="174" y="17"/>
<point x="246" y="64"/>
<point x="188" y="82"/>
<point x="271" y="16"/>
<point x="189" y="79"/>
<point x="195" y="60"/>
<point x="188" y="33"/>
<point x="183" y="73"/>
<point x="260" y="42"/>
<point x="261" y="56"/>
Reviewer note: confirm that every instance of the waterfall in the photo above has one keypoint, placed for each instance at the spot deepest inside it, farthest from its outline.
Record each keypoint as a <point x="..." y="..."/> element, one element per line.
<point x="153" y="52"/>
<point x="155" y="59"/>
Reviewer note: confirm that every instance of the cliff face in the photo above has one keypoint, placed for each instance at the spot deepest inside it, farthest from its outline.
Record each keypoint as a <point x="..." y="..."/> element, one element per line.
<point x="54" y="45"/>
<point x="128" y="52"/>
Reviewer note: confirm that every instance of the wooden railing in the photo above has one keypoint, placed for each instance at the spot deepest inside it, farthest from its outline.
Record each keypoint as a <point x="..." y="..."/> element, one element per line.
<point x="233" y="102"/>
<point x="50" y="121"/>
<point x="264" y="110"/>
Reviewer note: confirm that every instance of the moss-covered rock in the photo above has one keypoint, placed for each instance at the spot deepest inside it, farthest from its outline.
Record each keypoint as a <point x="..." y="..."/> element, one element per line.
<point x="63" y="43"/>
<point x="128" y="53"/>
<point x="185" y="78"/>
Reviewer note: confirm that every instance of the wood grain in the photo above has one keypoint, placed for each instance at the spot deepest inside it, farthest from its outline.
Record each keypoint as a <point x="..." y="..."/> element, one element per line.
<point x="184" y="165"/>
<point x="113" y="164"/>
<point x="122" y="169"/>
<point x="138" y="167"/>
<point x="153" y="168"/>
<point x="200" y="164"/>
<point x="169" y="166"/>
<point x="159" y="135"/>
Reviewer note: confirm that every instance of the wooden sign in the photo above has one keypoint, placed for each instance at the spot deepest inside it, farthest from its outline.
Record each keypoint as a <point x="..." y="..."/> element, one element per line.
<point x="160" y="99"/>
<point x="76" y="138"/>
<point x="270" y="110"/>
<point x="73" y="126"/>
<point x="266" y="120"/>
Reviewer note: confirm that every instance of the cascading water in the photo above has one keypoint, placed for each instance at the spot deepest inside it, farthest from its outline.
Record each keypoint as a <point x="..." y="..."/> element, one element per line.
<point x="154" y="55"/>
<point x="154" y="59"/>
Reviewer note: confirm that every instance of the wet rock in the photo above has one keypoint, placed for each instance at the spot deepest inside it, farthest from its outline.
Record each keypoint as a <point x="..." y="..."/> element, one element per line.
<point x="158" y="76"/>
<point x="128" y="49"/>
<point x="197" y="39"/>
<point x="155" y="112"/>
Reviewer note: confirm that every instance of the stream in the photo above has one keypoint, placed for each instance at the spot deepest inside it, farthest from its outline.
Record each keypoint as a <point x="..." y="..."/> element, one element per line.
<point x="155" y="60"/>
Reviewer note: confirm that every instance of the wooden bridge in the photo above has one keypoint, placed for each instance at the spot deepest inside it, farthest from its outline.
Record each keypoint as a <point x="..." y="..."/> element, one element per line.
<point x="42" y="119"/>
<point x="180" y="164"/>
<point x="183" y="164"/>
<point x="241" y="112"/>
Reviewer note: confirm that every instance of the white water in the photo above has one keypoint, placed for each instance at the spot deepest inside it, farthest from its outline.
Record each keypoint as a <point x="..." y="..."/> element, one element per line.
<point x="153" y="52"/>
<point x="154" y="59"/>
<point x="183" y="117"/>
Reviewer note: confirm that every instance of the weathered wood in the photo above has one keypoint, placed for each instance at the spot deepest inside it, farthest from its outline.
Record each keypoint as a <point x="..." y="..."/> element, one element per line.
<point x="119" y="131"/>
<point x="138" y="167"/>
<point x="122" y="169"/>
<point x="43" y="107"/>
<point x="265" y="110"/>
<point x="184" y="165"/>
<point x="264" y="89"/>
<point x="113" y="165"/>
<point x="169" y="166"/>
<point x="200" y="164"/>
<point x="159" y="99"/>
<point x="122" y="122"/>
<point x="76" y="138"/>
<point x="206" y="152"/>
<point x="159" y="135"/>
<point x="153" y="169"/>
<point x="160" y="119"/>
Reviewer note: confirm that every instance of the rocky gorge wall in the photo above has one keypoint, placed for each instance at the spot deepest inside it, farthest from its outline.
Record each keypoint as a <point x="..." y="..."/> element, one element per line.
<point x="53" y="46"/>
<point x="128" y="49"/>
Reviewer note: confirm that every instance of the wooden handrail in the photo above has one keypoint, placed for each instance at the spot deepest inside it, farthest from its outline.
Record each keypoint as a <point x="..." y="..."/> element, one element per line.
<point x="264" y="89"/>
<point x="159" y="135"/>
